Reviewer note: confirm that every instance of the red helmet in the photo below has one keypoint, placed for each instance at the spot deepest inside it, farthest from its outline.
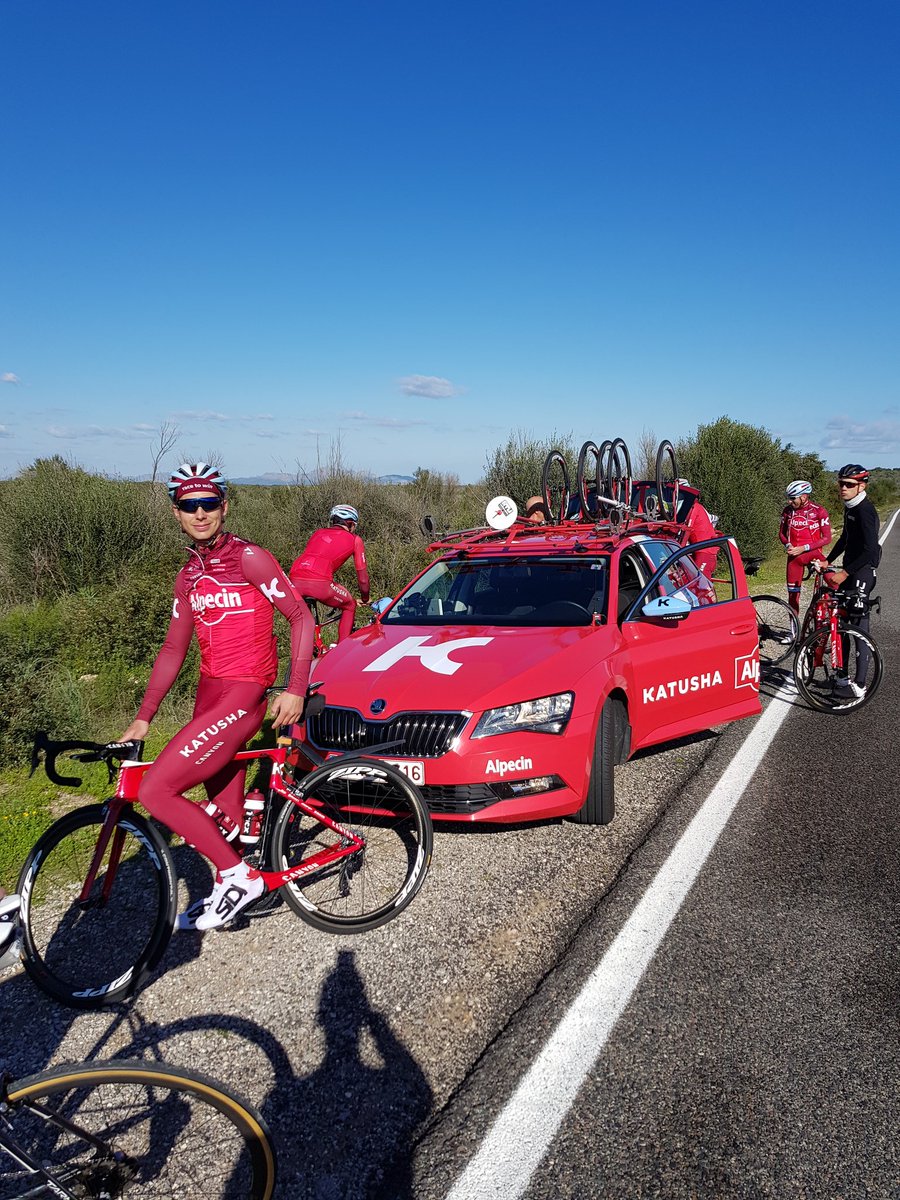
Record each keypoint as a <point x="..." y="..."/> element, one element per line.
<point x="196" y="477"/>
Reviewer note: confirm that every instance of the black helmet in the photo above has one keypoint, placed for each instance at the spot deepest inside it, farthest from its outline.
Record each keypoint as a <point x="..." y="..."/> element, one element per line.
<point x="854" y="471"/>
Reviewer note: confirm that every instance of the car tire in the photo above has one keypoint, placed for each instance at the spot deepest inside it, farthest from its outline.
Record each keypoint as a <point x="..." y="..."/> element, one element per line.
<point x="610" y="748"/>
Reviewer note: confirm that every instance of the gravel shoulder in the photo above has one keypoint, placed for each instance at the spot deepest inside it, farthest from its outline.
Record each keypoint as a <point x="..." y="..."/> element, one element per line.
<point x="350" y="1046"/>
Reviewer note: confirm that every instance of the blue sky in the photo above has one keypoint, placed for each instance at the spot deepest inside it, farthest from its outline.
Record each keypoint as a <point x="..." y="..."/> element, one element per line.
<point x="406" y="228"/>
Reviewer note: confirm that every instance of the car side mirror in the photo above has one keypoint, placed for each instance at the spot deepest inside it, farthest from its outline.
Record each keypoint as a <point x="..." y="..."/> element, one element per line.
<point x="672" y="608"/>
<point x="380" y="605"/>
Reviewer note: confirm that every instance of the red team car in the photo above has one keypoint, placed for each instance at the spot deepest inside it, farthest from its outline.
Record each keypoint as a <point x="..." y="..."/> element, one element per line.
<point x="511" y="675"/>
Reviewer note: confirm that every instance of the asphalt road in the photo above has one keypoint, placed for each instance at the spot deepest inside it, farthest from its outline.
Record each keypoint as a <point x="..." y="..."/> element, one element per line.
<point x="757" y="1057"/>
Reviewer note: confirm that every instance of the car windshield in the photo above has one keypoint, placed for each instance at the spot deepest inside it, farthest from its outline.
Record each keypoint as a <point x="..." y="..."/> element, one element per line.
<point x="507" y="591"/>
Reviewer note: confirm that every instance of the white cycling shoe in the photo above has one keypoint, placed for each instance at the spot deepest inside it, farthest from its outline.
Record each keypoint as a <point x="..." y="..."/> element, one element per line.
<point x="234" y="890"/>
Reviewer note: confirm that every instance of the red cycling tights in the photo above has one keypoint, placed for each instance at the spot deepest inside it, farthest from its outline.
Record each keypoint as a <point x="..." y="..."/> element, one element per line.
<point x="331" y="593"/>
<point x="227" y="714"/>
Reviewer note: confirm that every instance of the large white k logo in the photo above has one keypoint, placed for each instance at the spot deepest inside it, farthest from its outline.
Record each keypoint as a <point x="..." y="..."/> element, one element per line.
<point x="435" y="658"/>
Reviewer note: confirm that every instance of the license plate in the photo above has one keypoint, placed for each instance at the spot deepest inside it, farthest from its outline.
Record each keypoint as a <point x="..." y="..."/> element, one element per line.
<point x="414" y="771"/>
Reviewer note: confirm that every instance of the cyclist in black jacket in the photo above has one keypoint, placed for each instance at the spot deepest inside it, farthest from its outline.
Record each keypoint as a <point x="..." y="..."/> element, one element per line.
<point x="862" y="553"/>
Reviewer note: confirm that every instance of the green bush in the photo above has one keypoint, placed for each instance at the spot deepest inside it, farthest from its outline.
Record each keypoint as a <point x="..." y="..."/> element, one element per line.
<point x="742" y="471"/>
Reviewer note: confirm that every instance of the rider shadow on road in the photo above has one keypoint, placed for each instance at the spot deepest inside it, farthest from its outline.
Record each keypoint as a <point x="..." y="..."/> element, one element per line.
<point x="337" y="1128"/>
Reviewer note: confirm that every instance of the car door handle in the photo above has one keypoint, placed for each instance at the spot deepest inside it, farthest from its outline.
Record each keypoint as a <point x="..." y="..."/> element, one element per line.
<point x="743" y="629"/>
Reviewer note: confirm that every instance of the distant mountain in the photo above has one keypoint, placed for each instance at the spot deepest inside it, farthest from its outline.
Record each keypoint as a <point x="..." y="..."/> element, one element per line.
<point x="277" y="478"/>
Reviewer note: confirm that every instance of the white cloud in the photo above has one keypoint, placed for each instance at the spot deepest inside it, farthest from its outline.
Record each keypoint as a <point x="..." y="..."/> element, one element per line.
<point x="430" y="386"/>
<point x="384" y="422"/>
<point x="221" y="418"/>
<point x="8" y="377"/>
<point x="71" y="433"/>
<point x="843" y="433"/>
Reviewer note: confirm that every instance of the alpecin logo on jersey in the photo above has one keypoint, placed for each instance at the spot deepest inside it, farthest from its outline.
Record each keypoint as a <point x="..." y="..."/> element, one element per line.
<point x="199" y="742"/>
<point x="211" y="606"/>
<point x="681" y="687"/>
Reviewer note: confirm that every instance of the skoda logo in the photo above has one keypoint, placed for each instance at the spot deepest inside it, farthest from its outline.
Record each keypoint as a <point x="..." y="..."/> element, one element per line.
<point x="378" y="706"/>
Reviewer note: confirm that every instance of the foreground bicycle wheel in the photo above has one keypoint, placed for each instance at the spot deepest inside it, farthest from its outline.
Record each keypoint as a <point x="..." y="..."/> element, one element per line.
<point x="135" y="1129"/>
<point x="366" y="889"/>
<point x="778" y="629"/>
<point x="819" y="681"/>
<point x="88" y="954"/>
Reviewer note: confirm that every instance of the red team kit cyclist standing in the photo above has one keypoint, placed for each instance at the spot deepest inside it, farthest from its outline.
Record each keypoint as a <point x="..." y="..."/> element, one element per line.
<point x="226" y="592"/>
<point x="805" y="532"/>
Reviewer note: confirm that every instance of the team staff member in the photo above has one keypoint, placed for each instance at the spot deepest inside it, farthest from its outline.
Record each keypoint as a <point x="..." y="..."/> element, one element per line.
<point x="312" y="573"/>
<point x="700" y="528"/>
<point x="862" y="553"/>
<point x="226" y="592"/>
<point x="805" y="531"/>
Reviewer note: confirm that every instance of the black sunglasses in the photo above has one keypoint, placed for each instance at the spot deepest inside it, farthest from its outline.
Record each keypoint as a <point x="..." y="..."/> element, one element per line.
<point x="207" y="503"/>
<point x="848" y="483"/>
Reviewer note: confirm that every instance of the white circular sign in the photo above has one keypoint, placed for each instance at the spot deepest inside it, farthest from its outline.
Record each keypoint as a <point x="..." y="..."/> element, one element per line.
<point x="501" y="512"/>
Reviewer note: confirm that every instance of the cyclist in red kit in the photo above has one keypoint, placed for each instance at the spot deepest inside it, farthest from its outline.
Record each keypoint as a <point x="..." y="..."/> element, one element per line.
<point x="312" y="574"/>
<point x="805" y="531"/>
<point x="225" y="593"/>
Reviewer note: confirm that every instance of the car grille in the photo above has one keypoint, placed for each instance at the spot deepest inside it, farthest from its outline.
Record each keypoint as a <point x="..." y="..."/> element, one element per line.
<point x="417" y="734"/>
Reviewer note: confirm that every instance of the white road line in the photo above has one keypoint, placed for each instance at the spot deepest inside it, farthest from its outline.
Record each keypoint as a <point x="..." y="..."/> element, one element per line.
<point x="521" y="1134"/>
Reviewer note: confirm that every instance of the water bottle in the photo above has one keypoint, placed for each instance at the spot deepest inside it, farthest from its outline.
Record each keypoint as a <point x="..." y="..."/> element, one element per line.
<point x="254" y="803"/>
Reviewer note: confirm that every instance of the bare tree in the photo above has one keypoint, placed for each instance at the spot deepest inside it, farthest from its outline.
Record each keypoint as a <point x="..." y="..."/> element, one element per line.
<point x="645" y="459"/>
<point x="167" y="435"/>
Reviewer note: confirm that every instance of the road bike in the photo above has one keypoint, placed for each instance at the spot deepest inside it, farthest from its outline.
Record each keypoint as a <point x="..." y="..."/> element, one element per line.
<point x="778" y="628"/>
<point x="130" y="1128"/>
<point x="837" y="666"/>
<point x="349" y="843"/>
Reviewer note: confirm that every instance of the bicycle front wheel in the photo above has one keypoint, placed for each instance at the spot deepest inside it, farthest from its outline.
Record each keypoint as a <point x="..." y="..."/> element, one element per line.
<point x="836" y="678"/>
<point x="365" y="889"/>
<point x="135" y="1129"/>
<point x="778" y="629"/>
<point x="92" y="952"/>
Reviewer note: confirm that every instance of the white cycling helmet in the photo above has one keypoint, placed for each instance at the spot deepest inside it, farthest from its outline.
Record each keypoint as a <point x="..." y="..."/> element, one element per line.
<point x="344" y="512"/>
<point x="799" y="487"/>
<point x="196" y="477"/>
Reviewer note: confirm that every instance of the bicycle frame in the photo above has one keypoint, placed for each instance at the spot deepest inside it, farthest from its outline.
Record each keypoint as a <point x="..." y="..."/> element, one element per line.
<point x="128" y="781"/>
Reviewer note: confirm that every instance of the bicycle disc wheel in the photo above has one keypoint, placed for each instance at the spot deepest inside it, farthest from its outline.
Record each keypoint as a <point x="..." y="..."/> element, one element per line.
<point x="778" y="629"/>
<point x="368" y="888"/>
<point x="156" y="1130"/>
<point x="588" y="477"/>
<point x="97" y="952"/>
<point x="666" y="477"/>
<point x="820" y="682"/>
<point x="555" y="485"/>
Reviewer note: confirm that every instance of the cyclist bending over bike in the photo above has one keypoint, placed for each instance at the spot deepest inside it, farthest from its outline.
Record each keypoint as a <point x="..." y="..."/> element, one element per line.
<point x="805" y="532"/>
<point x="312" y="574"/>
<point x="226" y="592"/>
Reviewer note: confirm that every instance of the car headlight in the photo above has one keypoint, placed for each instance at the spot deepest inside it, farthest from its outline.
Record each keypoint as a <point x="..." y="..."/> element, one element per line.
<point x="549" y="714"/>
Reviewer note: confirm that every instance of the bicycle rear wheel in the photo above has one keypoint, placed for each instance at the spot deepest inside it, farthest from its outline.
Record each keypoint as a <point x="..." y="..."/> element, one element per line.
<point x="368" y="888"/>
<point x="666" y="480"/>
<point x="555" y="486"/>
<point x="822" y="684"/>
<point x="136" y="1129"/>
<point x="98" y="952"/>
<point x="618" y="476"/>
<point x="778" y="629"/>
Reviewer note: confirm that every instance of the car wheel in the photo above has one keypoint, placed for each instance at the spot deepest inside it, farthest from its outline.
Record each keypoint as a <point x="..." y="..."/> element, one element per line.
<point x="610" y="748"/>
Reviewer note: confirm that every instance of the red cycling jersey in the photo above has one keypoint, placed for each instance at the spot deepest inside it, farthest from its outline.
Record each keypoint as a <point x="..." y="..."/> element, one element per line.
<point x="226" y="592"/>
<point x="326" y="551"/>
<point x="808" y="526"/>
